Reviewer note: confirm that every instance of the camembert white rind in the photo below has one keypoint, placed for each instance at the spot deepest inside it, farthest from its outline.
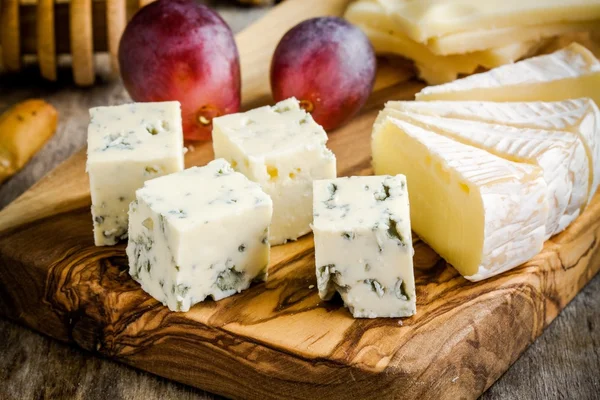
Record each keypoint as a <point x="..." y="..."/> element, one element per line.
<point x="481" y="213"/>
<point x="283" y="149"/>
<point x="363" y="245"/>
<point x="570" y="73"/>
<point x="127" y="145"/>
<point x="198" y="233"/>
<point x="580" y="117"/>
<point x="561" y="156"/>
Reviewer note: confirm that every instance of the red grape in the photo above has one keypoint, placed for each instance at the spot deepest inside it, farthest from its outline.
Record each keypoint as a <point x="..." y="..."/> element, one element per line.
<point x="182" y="50"/>
<point x="329" y="65"/>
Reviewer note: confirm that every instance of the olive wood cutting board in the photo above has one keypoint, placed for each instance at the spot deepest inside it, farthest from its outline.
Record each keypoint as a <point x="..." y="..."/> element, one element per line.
<point x="278" y="340"/>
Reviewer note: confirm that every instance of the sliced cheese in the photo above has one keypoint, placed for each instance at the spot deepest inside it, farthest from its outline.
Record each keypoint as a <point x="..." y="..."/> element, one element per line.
<point x="561" y="156"/>
<point x="579" y="116"/>
<point x="470" y="41"/>
<point x="441" y="69"/>
<point x="433" y="75"/>
<point x="372" y="15"/>
<point x="569" y="73"/>
<point x="481" y="213"/>
<point x="425" y="19"/>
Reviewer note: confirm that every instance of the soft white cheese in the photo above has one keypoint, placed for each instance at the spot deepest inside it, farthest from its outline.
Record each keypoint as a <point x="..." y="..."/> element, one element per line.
<point x="560" y="154"/>
<point x="197" y="233"/>
<point x="580" y="117"/>
<point x="283" y="149"/>
<point x="481" y="213"/>
<point x="570" y="73"/>
<point x="127" y="145"/>
<point x="363" y="245"/>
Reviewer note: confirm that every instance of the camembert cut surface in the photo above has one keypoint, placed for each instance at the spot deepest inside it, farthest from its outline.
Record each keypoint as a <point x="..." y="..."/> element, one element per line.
<point x="579" y="117"/>
<point x="561" y="156"/>
<point x="481" y="213"/>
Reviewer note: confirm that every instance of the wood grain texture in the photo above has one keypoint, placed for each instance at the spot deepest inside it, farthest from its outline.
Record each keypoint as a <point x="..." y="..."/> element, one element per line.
<point x="279" y="333"/>
<point x="105" y="386"/>
<point x="9" y="35"/>
<point x="82" y="41"/>
<point x="46" y="46"/>
<point x="563" y="363"/>
<point x="116" y="19"/>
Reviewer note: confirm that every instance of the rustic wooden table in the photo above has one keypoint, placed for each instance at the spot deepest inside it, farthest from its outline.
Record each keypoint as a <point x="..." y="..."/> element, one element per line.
<point x="563" y="363"/>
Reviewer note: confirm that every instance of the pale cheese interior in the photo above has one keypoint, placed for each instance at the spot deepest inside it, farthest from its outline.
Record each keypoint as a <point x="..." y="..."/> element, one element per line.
<point x="468" y="41"/>
<point x="446" y="211"/>
<point x="481" y="213"/>
<point x="382" y="31"/>
<point x="425" y="19"/>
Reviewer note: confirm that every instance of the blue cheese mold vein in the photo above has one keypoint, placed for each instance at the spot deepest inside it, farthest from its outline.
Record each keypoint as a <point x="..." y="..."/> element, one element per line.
<point x="199" y="233"/>
<point x="127" y="145"/>
<point x="363" y="245"/>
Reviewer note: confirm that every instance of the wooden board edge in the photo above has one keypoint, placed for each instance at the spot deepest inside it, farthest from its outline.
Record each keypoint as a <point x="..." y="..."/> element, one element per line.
<point x="204" y="356"/>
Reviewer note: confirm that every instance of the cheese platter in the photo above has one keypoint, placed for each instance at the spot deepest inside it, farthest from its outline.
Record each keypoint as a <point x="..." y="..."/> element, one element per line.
<point x="279" y="339"/>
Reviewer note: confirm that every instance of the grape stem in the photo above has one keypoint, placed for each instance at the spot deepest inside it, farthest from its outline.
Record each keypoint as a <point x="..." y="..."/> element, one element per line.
<point x="307" y="105"/>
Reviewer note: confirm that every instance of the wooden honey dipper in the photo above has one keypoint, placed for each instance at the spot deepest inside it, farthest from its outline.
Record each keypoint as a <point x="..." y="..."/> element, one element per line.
<point x="47" y="28"/>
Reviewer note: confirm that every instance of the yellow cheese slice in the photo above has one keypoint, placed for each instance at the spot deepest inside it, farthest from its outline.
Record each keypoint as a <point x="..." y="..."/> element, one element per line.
<point x="580" y="117"/>
<point x="481" y="213"/>
<point x="469" y="41"/>
<point x="570" y="73"/>
<point x="432" y="68"/>
<point x="431" y="73"/>
<point x="440" y="69"/>
<point x="371" y="14"/>
<point x="422" y="20"/>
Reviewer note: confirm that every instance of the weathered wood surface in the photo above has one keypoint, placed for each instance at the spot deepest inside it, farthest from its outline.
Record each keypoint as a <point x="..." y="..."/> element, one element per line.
<point x="287" y="295"/>
<point x="563" y="363"/>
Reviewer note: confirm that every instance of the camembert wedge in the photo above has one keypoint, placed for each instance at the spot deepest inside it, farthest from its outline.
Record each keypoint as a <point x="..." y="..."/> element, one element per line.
<point x="569" y="73"/>
<point x="560" y="155"/>
<point x="481" y="213"/>
<point x="581" y="117"/>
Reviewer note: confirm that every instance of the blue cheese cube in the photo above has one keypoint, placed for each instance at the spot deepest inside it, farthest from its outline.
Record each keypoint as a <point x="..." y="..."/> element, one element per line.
<point x="198" y="233"/>
<point x="283" y="149"/>
<point x="363" y="245"/>
<point x="127" y="145"/>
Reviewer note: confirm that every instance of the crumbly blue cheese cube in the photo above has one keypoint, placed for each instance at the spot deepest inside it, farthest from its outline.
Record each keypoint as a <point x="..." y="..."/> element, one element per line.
<point x="198" y="233"/>
<point x="363" y="245"/>
<point x="127" y="145"/>
<point x="284" y="150"/>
